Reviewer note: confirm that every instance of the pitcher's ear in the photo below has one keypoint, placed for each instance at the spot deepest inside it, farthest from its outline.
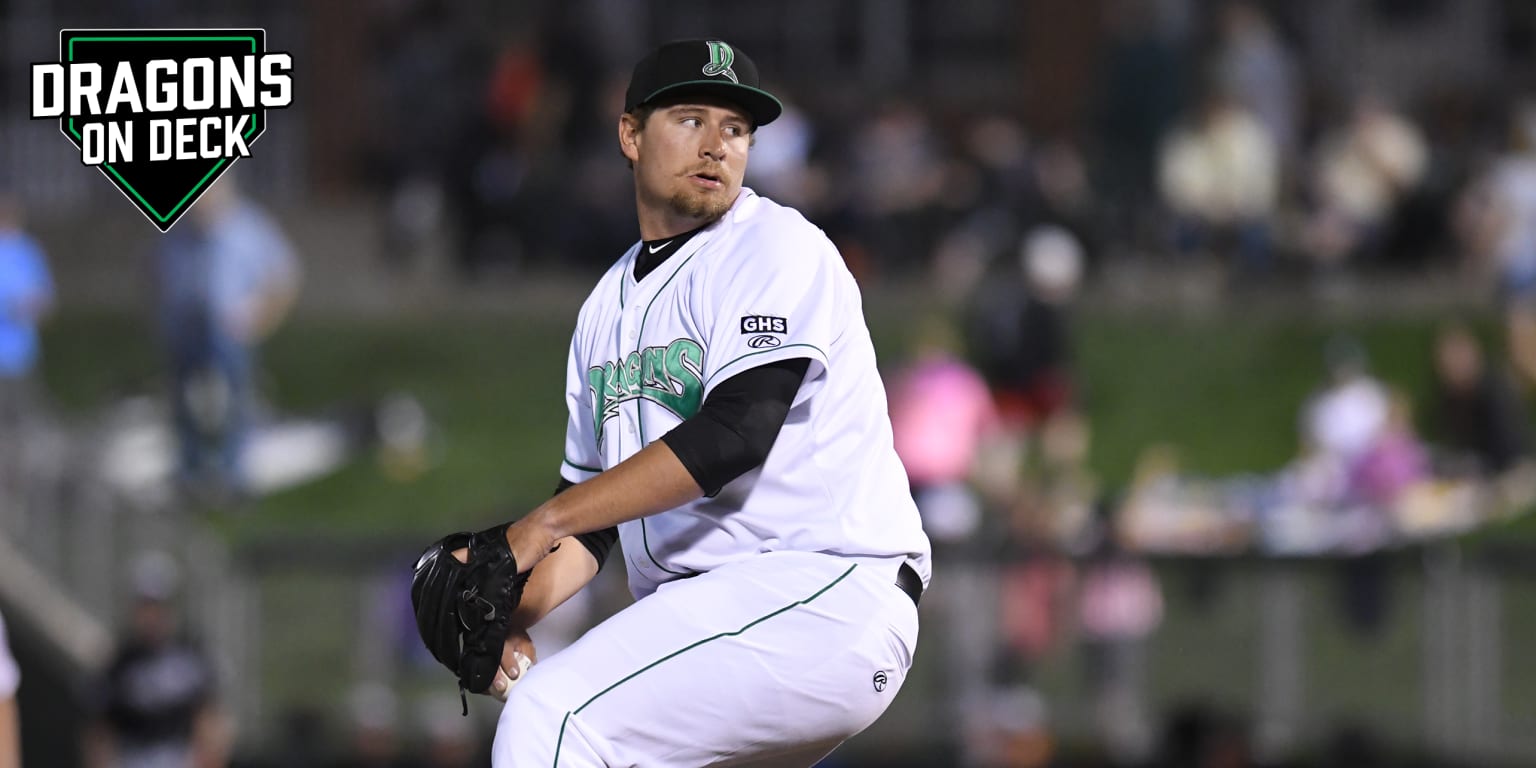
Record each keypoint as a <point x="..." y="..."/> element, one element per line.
<point x="629" y="137"/>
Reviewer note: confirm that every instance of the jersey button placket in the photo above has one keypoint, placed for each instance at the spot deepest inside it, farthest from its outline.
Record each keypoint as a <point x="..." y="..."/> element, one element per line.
<point x="633" y="322"/>
<point x="636" y="324"/>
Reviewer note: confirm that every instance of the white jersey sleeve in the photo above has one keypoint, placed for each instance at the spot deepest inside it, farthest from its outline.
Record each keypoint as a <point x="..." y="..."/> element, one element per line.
<point x="582" y="460"/>
<point x="775" y="299"/>
<point x="10" y="674"/>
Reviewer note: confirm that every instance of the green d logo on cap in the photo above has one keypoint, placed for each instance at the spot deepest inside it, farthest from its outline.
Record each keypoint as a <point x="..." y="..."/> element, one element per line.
<point x="720" y="58"/>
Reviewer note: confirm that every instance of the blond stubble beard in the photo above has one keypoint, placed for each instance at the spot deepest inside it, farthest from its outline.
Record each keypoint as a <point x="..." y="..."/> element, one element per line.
<point x="697" y="206"/>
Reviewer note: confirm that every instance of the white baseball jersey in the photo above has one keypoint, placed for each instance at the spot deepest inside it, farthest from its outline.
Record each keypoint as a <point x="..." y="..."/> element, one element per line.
<point x="759" y="285"/>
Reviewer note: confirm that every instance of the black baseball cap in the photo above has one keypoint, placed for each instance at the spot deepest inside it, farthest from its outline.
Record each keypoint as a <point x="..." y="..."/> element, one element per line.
<point x="708" y="67"/>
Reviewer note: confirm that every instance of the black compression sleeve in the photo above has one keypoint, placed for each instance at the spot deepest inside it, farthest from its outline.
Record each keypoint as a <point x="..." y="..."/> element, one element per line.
<point x="599" y="543"/>
<point x="734" y="430"/>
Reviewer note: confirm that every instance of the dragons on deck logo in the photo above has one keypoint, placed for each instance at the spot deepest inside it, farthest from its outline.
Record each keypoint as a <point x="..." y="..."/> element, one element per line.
<point x="162" y="113"/>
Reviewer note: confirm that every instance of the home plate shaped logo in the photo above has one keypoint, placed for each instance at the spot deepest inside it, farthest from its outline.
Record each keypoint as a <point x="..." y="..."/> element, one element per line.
<point x="162" y="113"/>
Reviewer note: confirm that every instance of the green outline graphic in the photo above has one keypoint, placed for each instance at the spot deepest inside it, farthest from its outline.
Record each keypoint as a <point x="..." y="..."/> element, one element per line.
<point x="255" y="116"/>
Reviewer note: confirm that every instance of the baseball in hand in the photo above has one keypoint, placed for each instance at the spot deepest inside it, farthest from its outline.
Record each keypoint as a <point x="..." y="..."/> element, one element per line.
<point x="501" y="687"/>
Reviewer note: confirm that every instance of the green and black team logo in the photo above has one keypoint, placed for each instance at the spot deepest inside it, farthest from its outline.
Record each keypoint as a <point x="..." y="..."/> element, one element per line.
<point x="670" y="376"/>
<point x="162" y="113"/>
<point x="721" y="57"/>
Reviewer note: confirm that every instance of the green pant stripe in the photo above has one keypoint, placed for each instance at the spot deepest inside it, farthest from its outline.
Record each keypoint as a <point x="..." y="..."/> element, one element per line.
<point x="687" y="648"/>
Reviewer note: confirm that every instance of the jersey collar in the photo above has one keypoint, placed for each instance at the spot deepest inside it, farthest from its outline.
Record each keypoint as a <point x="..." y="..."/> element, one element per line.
<point x="653" y="253"/>
<point x="745" y="206"/>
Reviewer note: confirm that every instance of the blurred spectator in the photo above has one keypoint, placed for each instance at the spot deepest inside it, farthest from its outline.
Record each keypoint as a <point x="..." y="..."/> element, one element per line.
<point x="516" y="84"/>
<point x="1255" y="65"/>
<point x="1001" y="189"/>
<point x="1000" y="151"/>
<point x="1497" y="218"/>
<point x="941" y="416"/>
<point x="579" y="57"/>
<point x="1198" y="736"/>
<point x="489" y="169"/>
<point x="1220" y="178"/>
<point x="941" y="413"/>
<point x="10" y="725"/>
<point x="1140" y="96"/>
<point x="897" y="179"/>
<point x="1120" y="605"/>
<point x="1034" y="608"/>
<point x="1360" y="446"/>
<point x="451" y="740"/>
<point x="157" y="702"/>
<point x="1360" y="455"/>
<point x="1011" y="731"/>
<point x="898" y="166"/>
<point x="26" y="296"/>
<point x="1394" y="461"/>
<point x="375" y="721"/>
<point x="961" y="258"/>
<point x="1342" y="421"/>
<point x="1477" y="414"/>
<point x="227" y="277"/>
<point x="1020" y="338"/>
<point x="1019" y="332"/>
<point x="300" y="728"/>
<point x="426" y="93"/>
<point x="1062" y="198"/>
<point x="780" y="159"/>
<point x="1363" y="172"/>
<point x="1390" y="466"/>
<point x="993" y="194"/>
<point x="1061" y="179"/>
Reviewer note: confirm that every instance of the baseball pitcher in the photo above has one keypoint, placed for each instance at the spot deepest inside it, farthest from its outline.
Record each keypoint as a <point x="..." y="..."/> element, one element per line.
<point x="728" y="425"/>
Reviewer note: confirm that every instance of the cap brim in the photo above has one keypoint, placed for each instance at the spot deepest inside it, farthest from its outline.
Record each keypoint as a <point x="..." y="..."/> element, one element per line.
<point x="761" y="105"/>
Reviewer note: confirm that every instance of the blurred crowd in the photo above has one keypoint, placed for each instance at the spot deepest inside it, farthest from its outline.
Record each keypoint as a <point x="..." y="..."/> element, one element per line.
<point x="1266" y="180"/>
<point x="1043" y="562"/>
<point x="1206" y="137"/>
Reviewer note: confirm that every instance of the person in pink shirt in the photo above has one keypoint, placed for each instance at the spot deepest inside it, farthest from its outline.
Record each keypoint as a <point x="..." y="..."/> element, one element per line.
<point x="941" y="410"/>
<point x="943" y="417"/>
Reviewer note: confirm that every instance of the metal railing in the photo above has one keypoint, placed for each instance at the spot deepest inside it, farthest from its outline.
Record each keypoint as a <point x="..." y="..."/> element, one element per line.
<point x="69" y="541"/>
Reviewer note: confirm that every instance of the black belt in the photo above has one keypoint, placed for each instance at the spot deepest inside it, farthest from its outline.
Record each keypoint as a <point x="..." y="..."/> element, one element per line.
<point x="909" y="582"/>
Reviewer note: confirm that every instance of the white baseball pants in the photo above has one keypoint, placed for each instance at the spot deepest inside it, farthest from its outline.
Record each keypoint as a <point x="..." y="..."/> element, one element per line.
<point x="770" y="661"/>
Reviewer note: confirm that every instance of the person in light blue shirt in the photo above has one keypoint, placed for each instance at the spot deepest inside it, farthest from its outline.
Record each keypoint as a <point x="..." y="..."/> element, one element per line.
<point x="26" y="296"/>
<point x="227" y="276"/>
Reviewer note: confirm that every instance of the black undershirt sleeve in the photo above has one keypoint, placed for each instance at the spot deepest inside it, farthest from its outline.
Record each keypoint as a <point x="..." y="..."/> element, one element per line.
<point x="599" y="543"/>
<point x="738" y="423"/>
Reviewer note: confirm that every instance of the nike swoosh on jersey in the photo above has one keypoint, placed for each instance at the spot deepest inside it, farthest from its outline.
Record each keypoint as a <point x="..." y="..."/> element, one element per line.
<point x="655" y="248"/>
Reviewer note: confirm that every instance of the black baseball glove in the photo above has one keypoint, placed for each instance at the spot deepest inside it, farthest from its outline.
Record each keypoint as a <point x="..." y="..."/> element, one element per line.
<point x="464" y="610"/>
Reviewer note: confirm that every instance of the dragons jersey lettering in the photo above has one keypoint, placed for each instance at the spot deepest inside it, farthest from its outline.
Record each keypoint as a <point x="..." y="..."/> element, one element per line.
<point x="670" y="376"/>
